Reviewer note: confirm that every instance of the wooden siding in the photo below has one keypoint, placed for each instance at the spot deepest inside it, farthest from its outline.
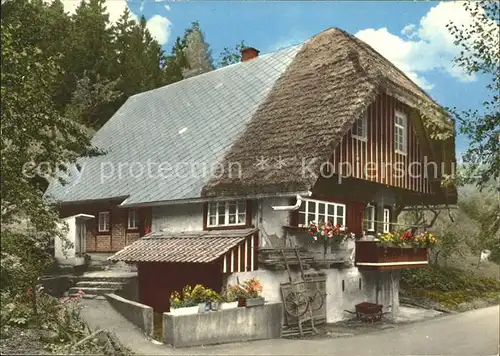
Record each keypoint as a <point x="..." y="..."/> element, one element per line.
<point x="158" y="280"/>
<point x="243" y="257"/>
<point x="378" y="150"/>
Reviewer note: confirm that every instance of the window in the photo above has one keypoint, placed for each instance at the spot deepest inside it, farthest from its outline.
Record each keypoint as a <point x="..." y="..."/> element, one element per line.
<point x="360" y="130"/>
<point x="133" y="219"/>
<point x="103" y="221"/>
<point x="369" y="220"/>
<point x="317" y="210"/>
<point x="229" y="213"/>
<point x="387" y="220"/>
<point x="400" y="132"/>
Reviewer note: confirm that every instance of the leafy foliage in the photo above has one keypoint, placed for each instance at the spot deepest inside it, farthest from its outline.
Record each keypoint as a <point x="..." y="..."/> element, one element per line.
<point x="192" y="296"/>
<point x="480" y="44"/>
<point x="231" y="55"/>
<point x="449" y="286"/>
<point x="36" y="140"/>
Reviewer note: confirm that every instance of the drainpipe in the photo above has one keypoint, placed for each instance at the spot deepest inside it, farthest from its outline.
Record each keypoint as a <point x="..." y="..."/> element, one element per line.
<point x="291" y="207"/>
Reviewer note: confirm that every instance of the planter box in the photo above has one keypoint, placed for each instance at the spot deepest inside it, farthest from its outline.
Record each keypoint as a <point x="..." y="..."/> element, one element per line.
<point x="226" y="306"/>
<point x="184" y="311"/>
<point x="371" y="255"/>
<point x="255" y="302"/>
<point x="335" y="253"/>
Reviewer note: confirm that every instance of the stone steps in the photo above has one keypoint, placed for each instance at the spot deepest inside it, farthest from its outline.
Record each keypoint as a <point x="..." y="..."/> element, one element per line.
<point x="99" y="284"/>
<point x="90" y="292"/>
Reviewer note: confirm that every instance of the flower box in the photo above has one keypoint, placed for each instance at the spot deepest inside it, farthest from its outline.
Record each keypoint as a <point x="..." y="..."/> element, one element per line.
<point x="228" y="305"/>
<point x="374" y="255"/>
<point x="203" y="307"/>
<point x="255" y="302"/>
<point x="184" y="311"/>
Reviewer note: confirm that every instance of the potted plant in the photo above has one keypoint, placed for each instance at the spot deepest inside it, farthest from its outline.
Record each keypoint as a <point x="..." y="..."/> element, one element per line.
<point x="182" y="303"/>
<point x="332" y="236"/>
<point x="249" y="293"/>
<point x="228" y="299"/>
<point x="204" y="297"/>
<point x="254" y="290"/>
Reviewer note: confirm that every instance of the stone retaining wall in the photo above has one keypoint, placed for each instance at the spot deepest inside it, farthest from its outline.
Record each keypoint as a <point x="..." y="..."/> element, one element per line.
<point x="138" y="314"/>
<point x="231" y="325"/>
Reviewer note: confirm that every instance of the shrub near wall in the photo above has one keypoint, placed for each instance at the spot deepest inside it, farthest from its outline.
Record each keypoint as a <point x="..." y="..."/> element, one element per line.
<point x="448" y="286"/>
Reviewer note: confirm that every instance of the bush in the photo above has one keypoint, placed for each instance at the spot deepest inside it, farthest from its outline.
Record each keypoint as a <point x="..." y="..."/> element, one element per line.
<point x="448" y="286"/>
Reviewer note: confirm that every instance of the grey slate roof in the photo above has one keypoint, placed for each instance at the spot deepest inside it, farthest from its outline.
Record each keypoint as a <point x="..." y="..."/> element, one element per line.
<point x="192" y="121"/>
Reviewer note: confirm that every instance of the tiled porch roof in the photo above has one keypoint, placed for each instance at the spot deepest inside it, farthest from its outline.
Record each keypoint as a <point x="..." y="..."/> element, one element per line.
<point x="191" y="247"/>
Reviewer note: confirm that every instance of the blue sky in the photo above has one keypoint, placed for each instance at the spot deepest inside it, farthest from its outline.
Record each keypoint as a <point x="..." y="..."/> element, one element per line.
<point x="409" y="33"/>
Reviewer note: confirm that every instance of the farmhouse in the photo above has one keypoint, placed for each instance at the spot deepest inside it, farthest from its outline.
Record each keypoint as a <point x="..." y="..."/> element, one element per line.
<point x="206" y="180"/>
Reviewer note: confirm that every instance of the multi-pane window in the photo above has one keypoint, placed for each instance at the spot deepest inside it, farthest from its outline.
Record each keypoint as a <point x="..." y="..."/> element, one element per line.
<point x="387" y="220"/>
<point x="369" y="219"/>
<point x="133" y="219"/>
<point x="400" y="126"/>
<point x="360" y="130"/>
<point x="227" y="213"/>
<point x="317" y="210"/>
<point x="103" y="225"/>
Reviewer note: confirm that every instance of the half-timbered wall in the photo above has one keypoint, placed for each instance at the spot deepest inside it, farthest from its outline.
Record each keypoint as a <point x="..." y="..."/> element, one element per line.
<point x="375" y="159"/>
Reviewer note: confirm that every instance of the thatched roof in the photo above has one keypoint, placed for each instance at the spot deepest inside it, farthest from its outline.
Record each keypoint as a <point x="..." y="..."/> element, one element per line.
<point x="330" y="82"/>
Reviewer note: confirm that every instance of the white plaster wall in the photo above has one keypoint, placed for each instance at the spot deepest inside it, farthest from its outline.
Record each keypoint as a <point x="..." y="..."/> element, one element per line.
<point x="178" y="217"/>
<point x="270" y="222"/>
<point x="59" y="253"/>
<point x="337" y="300"/>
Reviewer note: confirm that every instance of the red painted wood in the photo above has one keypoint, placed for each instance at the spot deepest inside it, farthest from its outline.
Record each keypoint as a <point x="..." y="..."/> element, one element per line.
<point x="158" y="280"/>
<point x="372" y="252"/>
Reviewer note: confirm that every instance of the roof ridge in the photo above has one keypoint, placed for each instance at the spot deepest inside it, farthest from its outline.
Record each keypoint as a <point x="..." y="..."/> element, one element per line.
<point x="216" y="70"/>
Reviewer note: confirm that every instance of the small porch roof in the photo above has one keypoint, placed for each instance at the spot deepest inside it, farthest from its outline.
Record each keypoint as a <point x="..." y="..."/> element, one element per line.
<point x="190" y="247"/>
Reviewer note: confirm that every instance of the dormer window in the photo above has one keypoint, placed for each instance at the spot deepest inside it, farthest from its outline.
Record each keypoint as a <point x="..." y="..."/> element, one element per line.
<point x="229" y="213"/>
<point x="360" y="129"/>
<point x="400" y="127"/>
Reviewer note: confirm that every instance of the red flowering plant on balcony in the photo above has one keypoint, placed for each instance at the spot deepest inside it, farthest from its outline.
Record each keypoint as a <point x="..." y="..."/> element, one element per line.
<point x="408" y="239"/>
<point x="329" y="232"/>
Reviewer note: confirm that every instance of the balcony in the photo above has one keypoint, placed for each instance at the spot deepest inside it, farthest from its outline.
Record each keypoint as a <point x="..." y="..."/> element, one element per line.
<point x="372" y="256"/>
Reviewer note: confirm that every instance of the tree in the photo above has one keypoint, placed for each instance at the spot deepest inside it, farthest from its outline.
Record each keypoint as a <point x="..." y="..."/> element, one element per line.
<point x="482" y="208"/>
<point x="480" y="46"/>
<point x="88" y="48"/>
<point x="231" y="55"/>
<point x="36" y="139"/>
<point x="197" y="52"/>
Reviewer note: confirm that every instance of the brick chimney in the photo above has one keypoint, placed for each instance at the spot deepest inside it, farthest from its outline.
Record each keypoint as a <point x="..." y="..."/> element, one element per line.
<point x="249" y="53"/>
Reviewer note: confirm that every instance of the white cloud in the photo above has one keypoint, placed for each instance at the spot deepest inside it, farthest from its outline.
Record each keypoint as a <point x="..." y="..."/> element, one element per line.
<point x="167" y="7"/>
<point x="160" y="28"/>
<point x="115" y="8"/>
<point x="424" y="47"/>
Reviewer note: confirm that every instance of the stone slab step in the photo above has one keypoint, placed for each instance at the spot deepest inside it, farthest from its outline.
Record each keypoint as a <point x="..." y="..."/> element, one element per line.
<point x="100" y="284"/>
<point x="90" y="291"/>
<point x="111" y="276"/>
